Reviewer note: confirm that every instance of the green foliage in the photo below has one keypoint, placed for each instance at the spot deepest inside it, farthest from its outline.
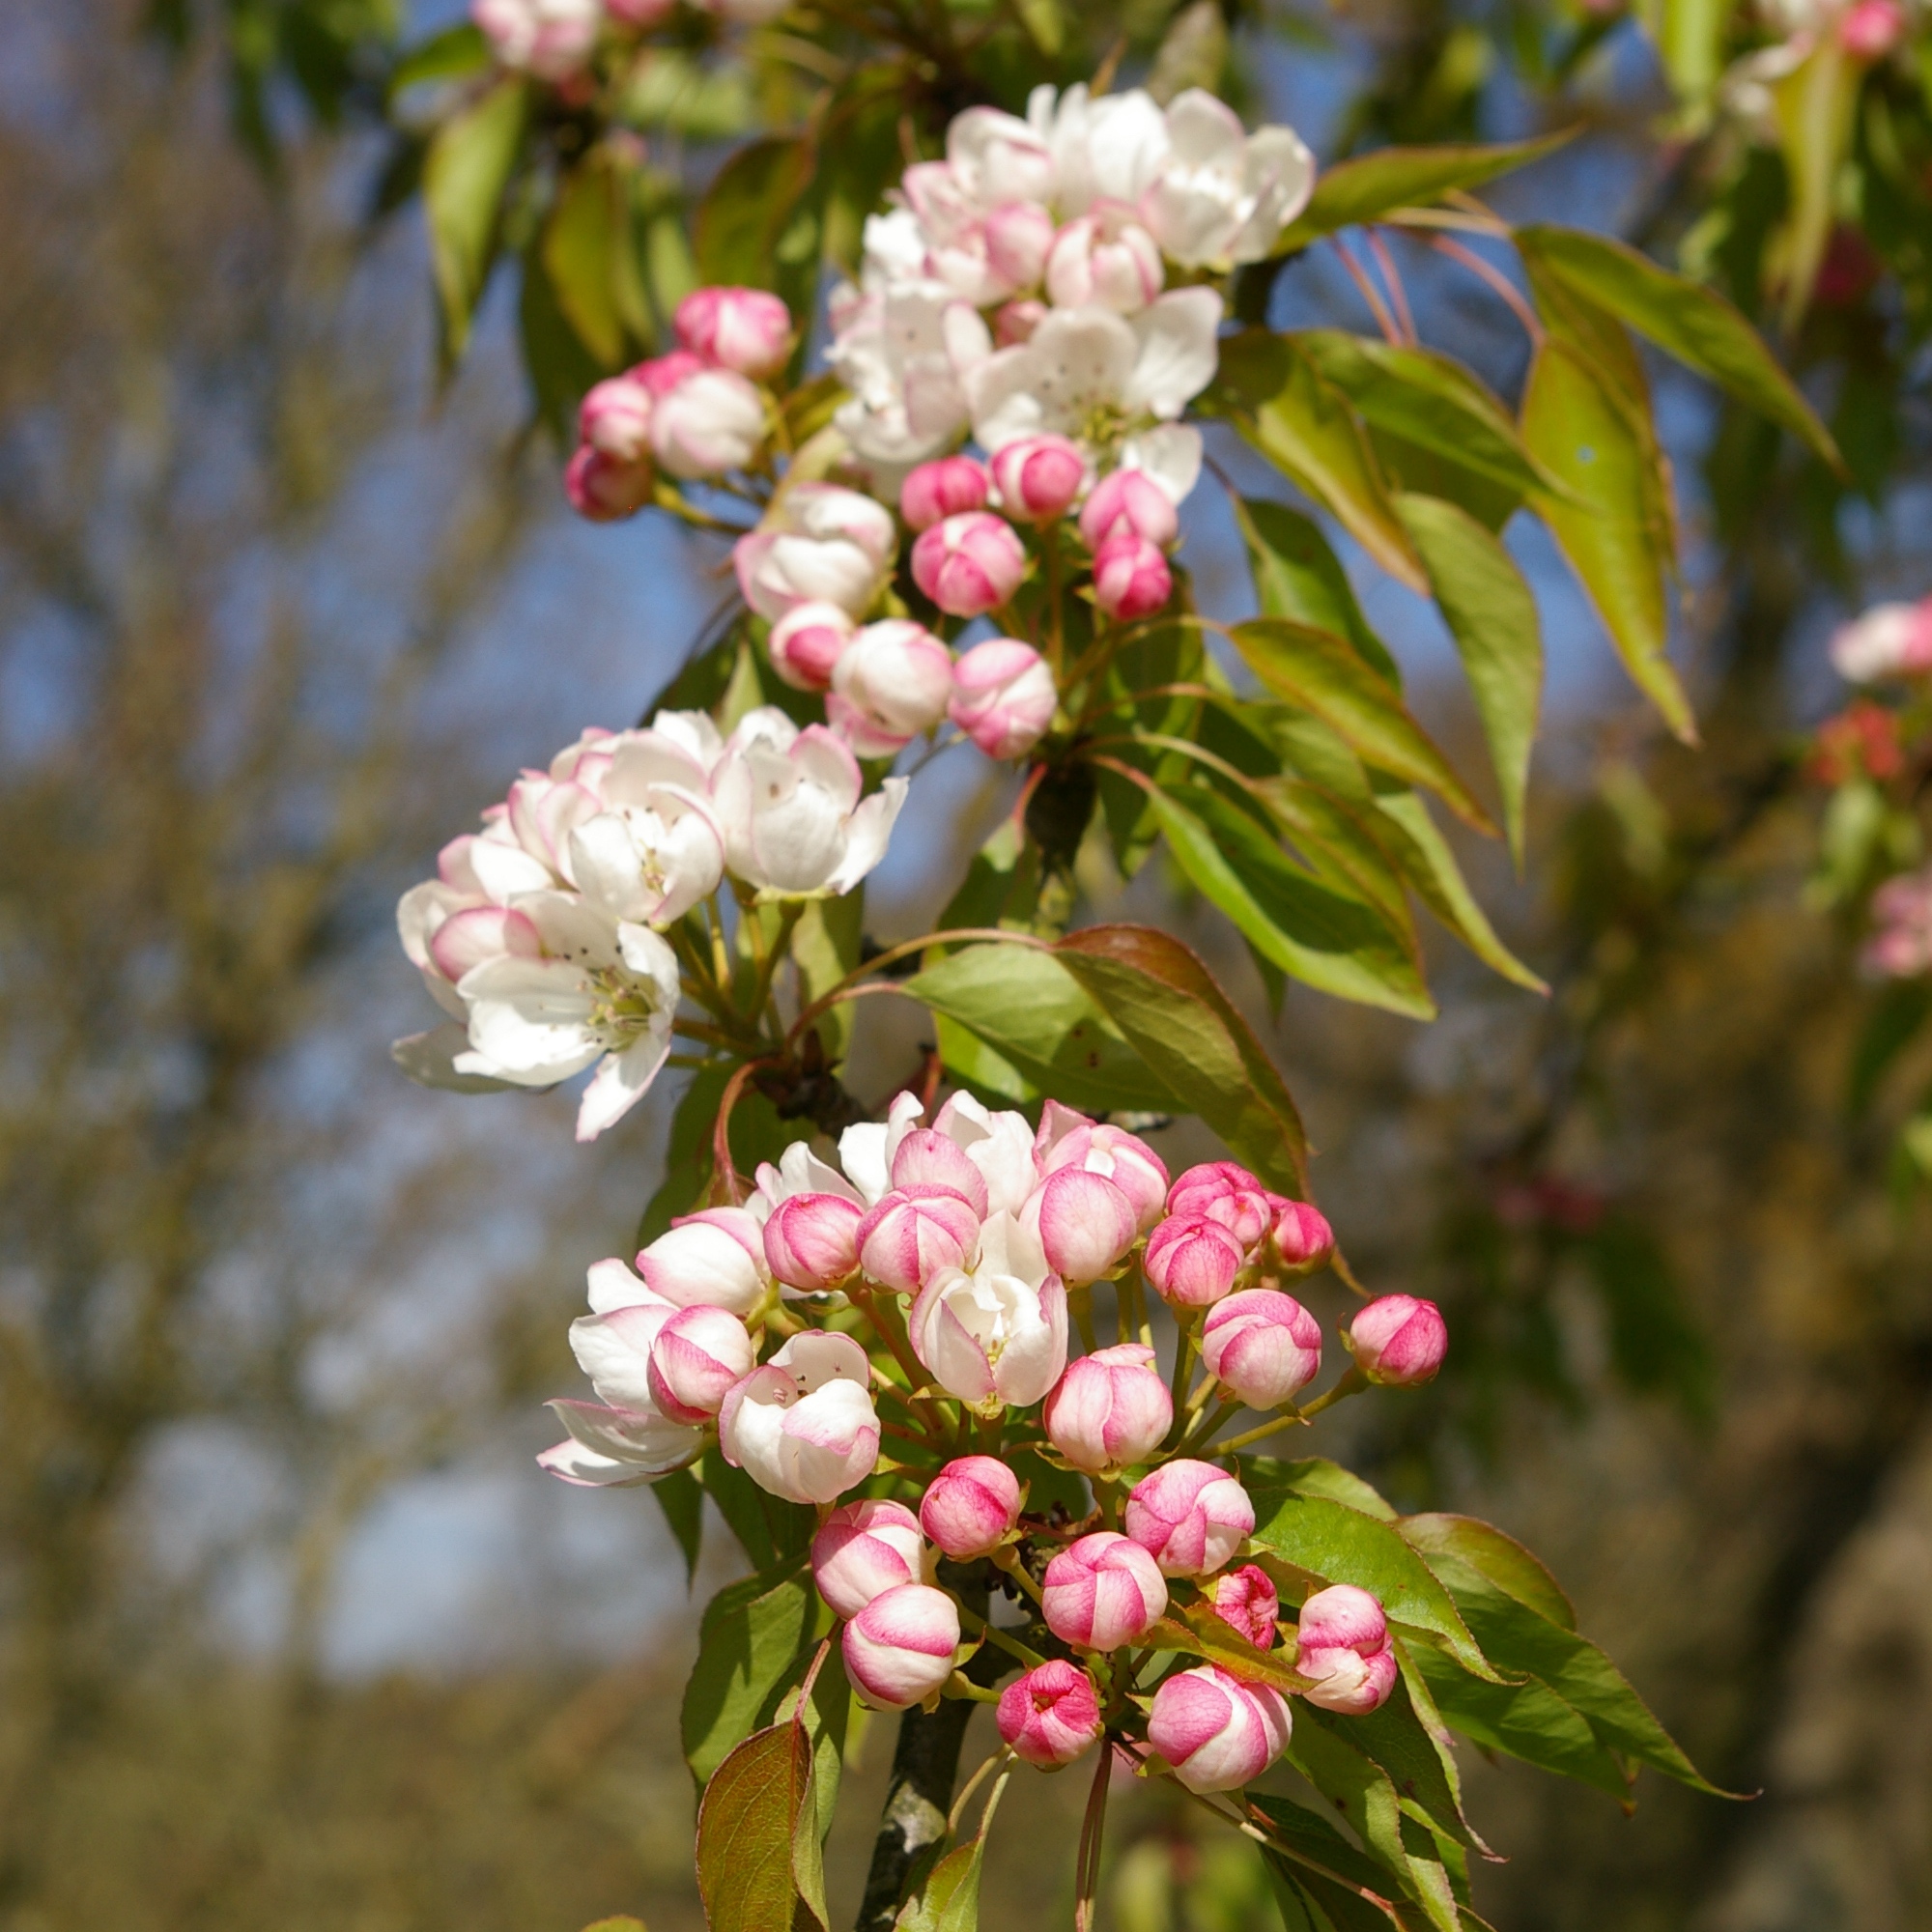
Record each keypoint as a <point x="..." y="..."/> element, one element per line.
<point x="754" y="1642"/>
<point x="466" y="171"/>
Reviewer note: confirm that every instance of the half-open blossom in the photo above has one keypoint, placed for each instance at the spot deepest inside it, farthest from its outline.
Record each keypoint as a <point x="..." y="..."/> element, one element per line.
<point x="898" y="678"/>
<point x="811" y="1240"/>
<point x="1398" y="1340"/>
<point x="862" y="1550"/>
<point x="1131" y="578"/>
<point x="1128" y="502"/>
<point x="697" y="1262"/>
<point x="1888" y="641"/>
<point x="819" y="544"/>
<point x="867" y="1147"/>
<point x="1004" y="697"/>
<point x="998" y="1334"/>
<point x="1110" y="1408"/>
<point x="969" y="564"/>
<point x="615" y="418"/>
<point x="1192" y="1261"/>
<point x="1245" y="1599"/>
<point x="612" y="1448"/>
<point x="807" y="642"/>
<point x="899" y="1648"/>
<point x="914" y="1234"/>
<point x="1189" y="1517"/>
<point x="970" y="1506"/>
<point x="803" y="1426"/>
<point x="1301" y="1237"/>
<point x="655" y="848"/>
<point x="1085" y="1224"/>
<point x="1342" y="1640"/>
<point x="1018" y="239"/>
<point x="998" y="1144"/>
<point x="614" y="1348"/>
<point x="549" y="39"/>
<point x="1217" y="1732"/>
<point x="949" y="486"/>
<point x="698" y="1355"/>
<point x="1225" y="1191"/>
<point x="1105" y="256"/>
<point x="1262" y="1346"/>
<point x="791" y="804"/>
<point x="605" y="489"/>
<point x="746" y="329"/>
<point x="1040" y="478"/>
<point x="711" y="423"/>
<point x="1225" y="196"/>
<point x="1102" y="1591"/>
<point x="1069" y="1139"/>
<point x="904" y="353"/>
<point x="1049" y="1716"/>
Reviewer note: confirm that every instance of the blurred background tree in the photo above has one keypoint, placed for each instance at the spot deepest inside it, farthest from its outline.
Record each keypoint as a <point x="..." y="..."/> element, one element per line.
<point x="261" y="580"/>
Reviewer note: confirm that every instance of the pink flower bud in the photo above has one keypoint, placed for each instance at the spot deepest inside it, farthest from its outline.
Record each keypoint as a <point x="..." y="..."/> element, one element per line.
<point x="1870" y="29"/>
<point x="700" y="1263"/>
<point x="640" y="13"/>
<point x="1105" y="257"/>
<point x="803" y="1426"/>
<point x="698" y="1355"/>
<point x="808" y="641"/>
<point x="811" y="1240"/>
<point x="1343" y="1641"/>
<point x="1128" y="502"/>
<point x="899" y="1648"/>
<point x="864" y="1549"/>
<point x="711" y="423"/>
<point x="1085" y="1224"/>
<point x="970" y="563"/>
<point x="1217" y="1732"/>
<point x="916" y="1231"/>
<point x="1002" y="696"/>
<point x="1102" y="1591"/>
<point x="1245" y="1600"/>
<point x="1131" y="578"/>
<point x="1189" y="1517"/>
<point x="897" y="675"/>
<point x="948" y="487"/>
<point x="1050" y="1716"/>
<point x="1261" y="1344"/>
<point x="602" y="489"/>
<point x="1016" y="321"/>
<point x="746" y="329"/>
<point x="1192" y="1261"/>
<point x="615" y="418"/>
<point x="1110" y="1408"/>
<point x="925" y="1157"/>
<point x="1303" y="1239"/>
<point x="1399" y="1340"/>
<point x="970" y="1505"/>
<point x="661" y="374"/>
<point x="1228" y="1193"/>
<point x="1066" y="1139"/>
<point x="1019" y="236"/>
<point x="1039" y="477"/>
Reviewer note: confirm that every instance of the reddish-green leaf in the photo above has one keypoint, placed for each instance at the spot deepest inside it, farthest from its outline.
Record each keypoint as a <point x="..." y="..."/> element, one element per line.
<point x="760" y="1868"/>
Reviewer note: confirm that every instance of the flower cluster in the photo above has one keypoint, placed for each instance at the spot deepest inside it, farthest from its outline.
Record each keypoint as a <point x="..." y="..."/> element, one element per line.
<point x="555" y="40"/>
<point x="1888" y="642"/>
<point x="941" y="1261"/>
<point x="544" y="933"/>
<point x="1900" y="947"/>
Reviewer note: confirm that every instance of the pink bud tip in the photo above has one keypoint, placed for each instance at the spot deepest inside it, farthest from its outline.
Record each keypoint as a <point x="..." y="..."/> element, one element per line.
<point x="1192" y="1261"/>
<point x="1189" y="1517"/>
<point x="1262" y="1346"/>
<point x="970" y="1506"/>
<point x="1228" y="1193"/>
<point x="864" y="1549"/>
<point x="811" y="1240"/>
<point x="1399" y="1340"/>
<point x="1002" y="696"/>
<point x="899" y="1648"/>
<point x="1342" y="1641"/>
<point x="1085" y="1224"/>
<point x="934" y="491"/>
<point x="1870" y="29"/>
<point x="1039" y="477"/>
<point x="1109" y="1410"/>
<point x="807" y="643"/>
<point x="1129" y="503"/>
<point x="698" y="1355"/>
<point x="1217" y="1732"/>
<point x="1131" y="578"/>
<point x="1245" y="1600"/>
<point x="603" y="490"/>
<point x="969" y="564"/>
<point x="1050" y="1716"/>
<point x="1103" y="1591"/>
<point x="745" y="330"/>
<point x="1303" y="1239"/>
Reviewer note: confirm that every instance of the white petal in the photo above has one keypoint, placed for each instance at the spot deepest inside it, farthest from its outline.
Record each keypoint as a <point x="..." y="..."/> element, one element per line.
<point x="621" y="1082"/>
<point x="1177" y="350"/>
<point x="868" y="834"/>
<point x="429" y="1059"/>
<point x="1169" y="455"/>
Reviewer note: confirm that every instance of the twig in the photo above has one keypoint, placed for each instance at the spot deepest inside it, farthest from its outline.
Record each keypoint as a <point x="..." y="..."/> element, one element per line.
<point x="1366" y="289"/>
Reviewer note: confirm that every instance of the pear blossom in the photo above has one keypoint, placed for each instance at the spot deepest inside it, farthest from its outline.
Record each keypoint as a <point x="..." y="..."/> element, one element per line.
<point x="1105" y="256"/>
<point x="864" y="1549"/>
<point x="819" y="544"/>
<point x="745" y="330"/>
<point x="604" y="489"/>
<point x="656" y="848"/>
<point x="1069" y="1139"/>
<point x="1225" y="196"/>
<point x="1004" y="697"/>
<point x="803" y="1427"/>
<point x="943" y="488"/>
<point x="549" y="39"/>
<point x="905" y="354"/>
<point x="612" y="1448"/>
<point x="894" y="680"/>
<point x="1217" y="1732"/>
<point x="615" y="418"/>
<point x="971" y="1506"/>
<point x="898" y="1649"/>
<point x="1050" y="1716"/>
<point x="807" y="642"/>
<point x="710" y="423"/>
<point x="996" y="1335"/>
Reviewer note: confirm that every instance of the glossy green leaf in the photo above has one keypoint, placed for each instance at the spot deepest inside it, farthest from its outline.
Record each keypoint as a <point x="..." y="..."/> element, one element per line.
<point x="1283" y="406"/>
<point x="1374" y="185"/>
<point x="1338" y="840"/>
<point x="1430" y="400"/>
<point x="583" y="244"/>
<point x="1318" y="671"/>
<point x="949" y="1901"/>
<point x="1423" y="856"/>
<point x="755" y="1639"/>
<point x="1310" y="1903"/>
<point x="1335" y="944"/>
<point x="1315" y="1540"/>
<point x="759" y="1866"/>
<point x="681" y="1497"/>
<point x="1298" y="576"/>
<point x="1498" y="1556"/>
<point x="1492" y="617"/>
<point x="1685" y="320"/>
<point x="1194" y="1039"/>
<point x="824" y="948"/>
<point x="1347" y="1879"/>
<point x="1582" y="430"/>
<point x="1027" y="1006"/>
<point x="1405" y="1745"/>
<point x="466" y="171"/>
<point x="1314" y="1476"/>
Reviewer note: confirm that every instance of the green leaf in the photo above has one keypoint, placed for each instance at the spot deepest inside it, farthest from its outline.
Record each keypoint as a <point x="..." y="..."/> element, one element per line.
<point x="1423" y="856"/>
<point x="1375" y="185"/>
<point x="1583" y="429"/>
<point x="1298" y="576"/>
<point x="1430" y="400"/>
<point x="1339" y="842"/>
<point x="583" y="245"/>
<point x="1405" y="1745"/>
<point x="450" y="56"/>
<point x="1195" y="1041"/>
<point x="1890" y="1028"/>
<point x="1313" y="1541"/>
<point x="466" y="171"/>
<point x="1283" y="406"/>
<point x="1694" y="324"/>
<point x="756" y="228"/>
<point x="1314" y="1476"/>
<point x="1352" y="1889"/>
<point x="1689" y="35"/>
<point x="681" y="1497"/>
<point x="1492" y="617"/>
<point x="1499" y="1557"/>
<point x="1317" y="670"/>
<point x="754" y="1640"/>
<point x="1526" y="1720"/>
<point x="1028" y="1006"/>
<point x="824" y="948"/>
<point x="1335" y="944"/>
<point x="759" y="1866"/>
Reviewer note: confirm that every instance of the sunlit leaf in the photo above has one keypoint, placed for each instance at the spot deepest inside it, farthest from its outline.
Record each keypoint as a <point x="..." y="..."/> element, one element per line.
<point x="754" y="1640"/>
<point x="1298" y="576"/>
<point x="466" y="169"/>
<point x="759" y="1866"/>
<point x="1499" y="1557"/>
